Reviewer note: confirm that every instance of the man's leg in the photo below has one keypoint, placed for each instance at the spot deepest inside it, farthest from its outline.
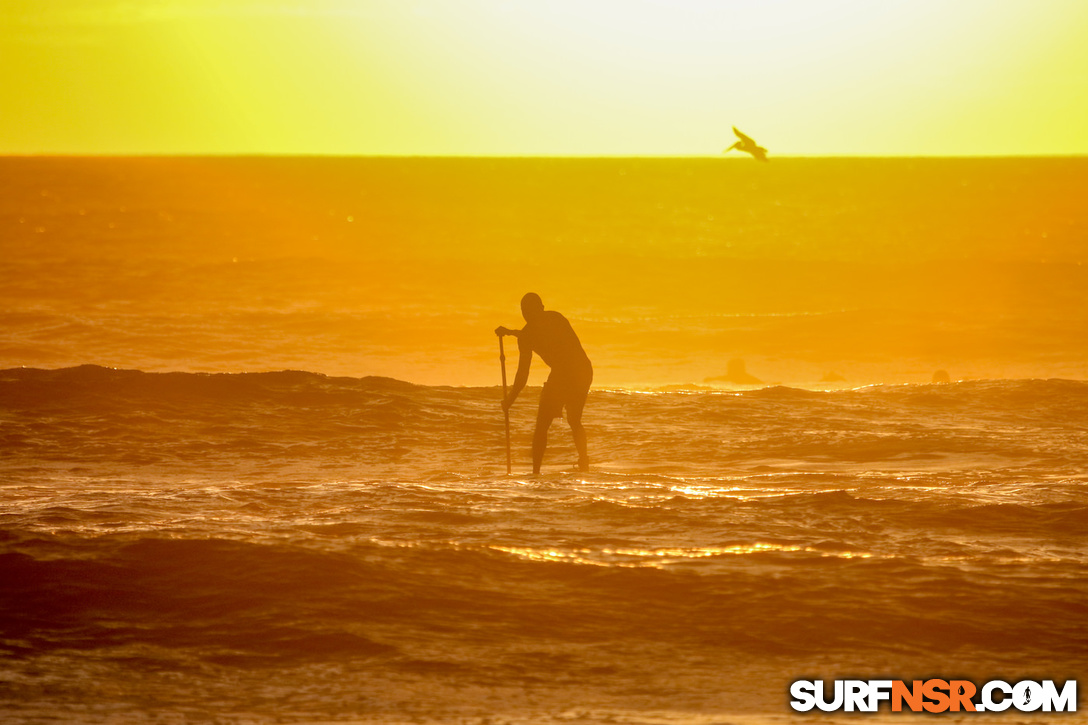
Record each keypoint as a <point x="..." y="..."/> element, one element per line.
<point x="574" y="418"/>
<point x="540" y="437"/>
<point x="579" y="434"/>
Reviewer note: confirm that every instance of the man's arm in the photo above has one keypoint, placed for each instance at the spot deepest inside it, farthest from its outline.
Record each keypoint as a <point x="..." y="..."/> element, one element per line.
<point x="525" y="359"/>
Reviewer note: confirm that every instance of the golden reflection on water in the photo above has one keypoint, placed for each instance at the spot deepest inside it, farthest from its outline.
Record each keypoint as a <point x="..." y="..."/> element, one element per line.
<point x="660" y="557"/>
<point x="739" y="493"/>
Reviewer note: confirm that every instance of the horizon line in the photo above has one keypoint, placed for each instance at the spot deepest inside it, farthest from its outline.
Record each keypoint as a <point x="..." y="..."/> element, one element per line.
<point x="721" y="155"/>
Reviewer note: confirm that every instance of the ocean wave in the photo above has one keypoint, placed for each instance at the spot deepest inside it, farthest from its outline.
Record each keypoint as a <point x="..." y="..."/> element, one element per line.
<point x="36" y="385"/>
<point x="232" y="600"/>
<point x="96" y="414"/>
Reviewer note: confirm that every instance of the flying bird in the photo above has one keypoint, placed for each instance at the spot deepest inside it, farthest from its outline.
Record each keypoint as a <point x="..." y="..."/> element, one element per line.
<point x="747" y="145"/>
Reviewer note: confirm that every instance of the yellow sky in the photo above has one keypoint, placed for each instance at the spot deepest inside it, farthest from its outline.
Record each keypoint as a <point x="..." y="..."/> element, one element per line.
<point x="547" y="77"/>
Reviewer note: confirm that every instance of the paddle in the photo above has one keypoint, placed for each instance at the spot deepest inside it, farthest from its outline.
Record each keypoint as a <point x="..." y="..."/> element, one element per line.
<point x="506" y="411"/>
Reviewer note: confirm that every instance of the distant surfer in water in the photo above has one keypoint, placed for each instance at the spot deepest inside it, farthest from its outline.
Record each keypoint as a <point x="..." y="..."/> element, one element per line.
<point x="549" y="335"/>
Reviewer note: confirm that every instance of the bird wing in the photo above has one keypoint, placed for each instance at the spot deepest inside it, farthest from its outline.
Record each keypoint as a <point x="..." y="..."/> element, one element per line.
<point x="742" y="137"/>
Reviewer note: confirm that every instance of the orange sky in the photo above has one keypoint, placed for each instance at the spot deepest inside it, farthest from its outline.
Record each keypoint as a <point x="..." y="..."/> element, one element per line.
<point x="563" y="77"/>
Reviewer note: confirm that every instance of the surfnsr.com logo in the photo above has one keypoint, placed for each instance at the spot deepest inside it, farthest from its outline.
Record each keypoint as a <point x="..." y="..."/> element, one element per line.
<point x="933" y="696"/>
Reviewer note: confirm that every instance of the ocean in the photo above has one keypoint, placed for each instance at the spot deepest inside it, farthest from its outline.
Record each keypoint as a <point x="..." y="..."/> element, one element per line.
<point x="252" y="458"/>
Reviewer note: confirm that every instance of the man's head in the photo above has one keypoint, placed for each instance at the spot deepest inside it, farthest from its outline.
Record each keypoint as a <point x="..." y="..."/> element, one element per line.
<point x="531" y="306"/>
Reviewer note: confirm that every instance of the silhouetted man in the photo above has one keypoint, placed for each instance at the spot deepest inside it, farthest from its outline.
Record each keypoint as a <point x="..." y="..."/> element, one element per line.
<point x="549" y="335"/>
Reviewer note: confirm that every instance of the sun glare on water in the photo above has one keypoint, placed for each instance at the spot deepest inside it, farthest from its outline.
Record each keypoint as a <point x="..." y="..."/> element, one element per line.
<point x="661" y="557"/>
